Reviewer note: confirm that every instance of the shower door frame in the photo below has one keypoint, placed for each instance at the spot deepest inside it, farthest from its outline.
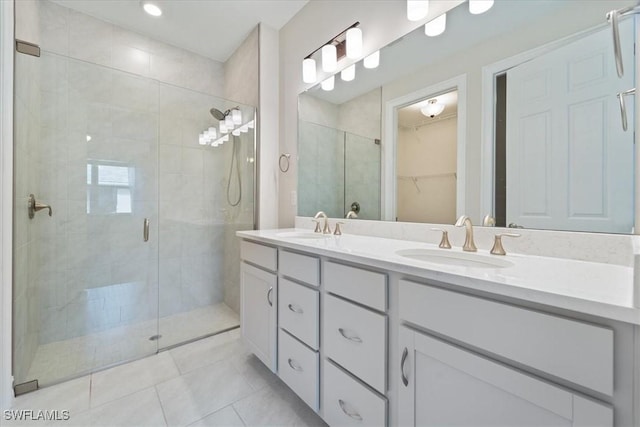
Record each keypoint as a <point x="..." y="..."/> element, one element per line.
<point x="6" y="200"/>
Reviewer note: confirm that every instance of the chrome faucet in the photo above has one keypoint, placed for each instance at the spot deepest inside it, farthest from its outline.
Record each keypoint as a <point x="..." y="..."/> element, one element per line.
<point x="325" y="229"/>
<point x="469" y="245"/>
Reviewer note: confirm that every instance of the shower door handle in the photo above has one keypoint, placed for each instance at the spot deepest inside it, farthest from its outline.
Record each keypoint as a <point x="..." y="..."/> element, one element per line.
<point x="145" y="230"/>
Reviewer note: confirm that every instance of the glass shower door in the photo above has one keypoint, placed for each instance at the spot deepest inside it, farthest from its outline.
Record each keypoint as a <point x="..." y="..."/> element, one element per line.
<point x="86" y="281"/>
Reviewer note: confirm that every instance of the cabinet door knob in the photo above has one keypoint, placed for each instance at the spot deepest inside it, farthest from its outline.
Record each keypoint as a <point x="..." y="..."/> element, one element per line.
<point x="352" y="414"/>
<point x="295" y="309"/>
<point x="405" y="380"/>
<point x="269" y="292"/>
<point x="353" y="338"/>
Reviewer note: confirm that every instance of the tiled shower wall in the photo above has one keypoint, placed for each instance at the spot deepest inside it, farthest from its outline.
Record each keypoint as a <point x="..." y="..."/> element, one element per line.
<point x="338" y="157"/>
<point x="92" y="270"/>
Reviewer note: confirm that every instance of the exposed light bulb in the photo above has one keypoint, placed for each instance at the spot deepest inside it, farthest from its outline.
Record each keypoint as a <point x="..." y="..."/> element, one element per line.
<point x="329" y="58"/>
<point x="417" y="9"/>
<point x="236" y="116"/>
<point x="152" y="8"/>
<point x="437" y="26"/>
<point x="328" y="84"/>
<point x="477" y="7"/>
<point x="354" y="43"/>
<point x="348" y="73"/>
<point x="309" y="70"/>
<point x="372" y="61"/>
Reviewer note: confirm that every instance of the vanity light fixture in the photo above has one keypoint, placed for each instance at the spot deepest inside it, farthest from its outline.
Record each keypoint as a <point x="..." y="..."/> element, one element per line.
<point x="329" y="58"/>
<point x="477" y="7"/>
<point x="309" y="70"/>
<point x="354" y="43"/>
<point x="151" y="8"/>
<point x="433" y="108"/>
<point x="228" y="122"/>
<point x="437" y="26"/>
<point x="417" y="9"/>
<point x="211" y="137"/>
<point x="372" y="61"/>
<point x="348" y="73"/>
<point x="328" y="83"/>
<point x="223" y="128"/>
<point x="347" y="43"/>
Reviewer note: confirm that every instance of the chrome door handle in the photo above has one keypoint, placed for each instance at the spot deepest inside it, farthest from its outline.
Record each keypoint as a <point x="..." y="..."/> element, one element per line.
<point x="354" y="415"/>
<point x="623" y="106"/>
<point x="294" y="365"/>
<point x="269" y="292"/>
<point x="295" y="309"/>
<point x="613" y="18"/>
<point x="145" y="230"/>
<point x="405" y="380"/>
<point x="36" y="206"/>
<point x="353" y="338"/>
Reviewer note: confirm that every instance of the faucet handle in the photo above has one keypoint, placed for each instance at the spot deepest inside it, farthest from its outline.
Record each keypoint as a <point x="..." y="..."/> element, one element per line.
<point x="497" y="248"/>
<point x="488" y="221"/>
<point x="317" y="229"/>
<point x="444" y="242"/>
<point x="337" y="231"/>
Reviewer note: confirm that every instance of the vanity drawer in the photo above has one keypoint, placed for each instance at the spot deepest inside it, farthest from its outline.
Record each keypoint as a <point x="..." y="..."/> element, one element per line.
<point x="356" y="338"/>
<point x="575" y="351"/>
<point x="298" y="308"/>
<point x="298" y="367"/>
<point x="260" y="255"/>
<point x="346" y="402"/>
<point x="300" y="267"/>
<point x="366" y="287"/>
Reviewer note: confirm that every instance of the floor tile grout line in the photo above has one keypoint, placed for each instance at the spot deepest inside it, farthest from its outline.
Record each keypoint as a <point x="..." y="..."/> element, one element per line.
<point x="166" y="422"/>
<point x="238" y="414"/>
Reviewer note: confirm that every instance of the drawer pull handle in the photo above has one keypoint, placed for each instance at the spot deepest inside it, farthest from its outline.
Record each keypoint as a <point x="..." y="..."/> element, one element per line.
<point x="405" y="380"/>
<point x="294" y="365"/>
<point x="295" y="309"/>
<point x="353" y="338"/>
<point x="269" y="292"/>
<point x="354" y="415"/>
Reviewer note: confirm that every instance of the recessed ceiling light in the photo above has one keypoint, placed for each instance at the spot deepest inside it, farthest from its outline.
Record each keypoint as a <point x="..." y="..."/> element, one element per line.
<point x="151" y="8"/>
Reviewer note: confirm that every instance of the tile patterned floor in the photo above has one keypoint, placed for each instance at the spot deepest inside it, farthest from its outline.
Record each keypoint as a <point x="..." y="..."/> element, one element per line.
<point x="211" y="382"/>
<point x="77" y="356"/>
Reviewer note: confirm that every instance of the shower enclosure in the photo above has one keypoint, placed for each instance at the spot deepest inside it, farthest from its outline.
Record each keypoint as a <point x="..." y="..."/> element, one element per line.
<point x="139" y="252"/>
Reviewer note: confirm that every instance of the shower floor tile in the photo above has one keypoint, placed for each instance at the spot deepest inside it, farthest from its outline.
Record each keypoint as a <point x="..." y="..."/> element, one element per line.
<point x="60" y="360"/>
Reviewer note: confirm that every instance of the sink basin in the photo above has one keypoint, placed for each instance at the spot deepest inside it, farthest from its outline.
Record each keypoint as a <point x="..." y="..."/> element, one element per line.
<point x="303" y="235"/>
<point x="459" y="259"/>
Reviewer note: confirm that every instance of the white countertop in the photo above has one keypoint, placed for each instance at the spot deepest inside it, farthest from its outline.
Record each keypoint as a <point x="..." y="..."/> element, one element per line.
<point x="598" y="289"/>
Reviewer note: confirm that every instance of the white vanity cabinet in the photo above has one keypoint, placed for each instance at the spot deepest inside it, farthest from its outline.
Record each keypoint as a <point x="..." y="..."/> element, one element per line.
<point x="258" y="301"/>
<point x="369" y="346"/>
<point x="445" y="385"/>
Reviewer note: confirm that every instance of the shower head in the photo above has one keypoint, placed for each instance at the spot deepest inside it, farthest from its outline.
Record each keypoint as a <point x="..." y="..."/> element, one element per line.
<point x="217" y="114"/>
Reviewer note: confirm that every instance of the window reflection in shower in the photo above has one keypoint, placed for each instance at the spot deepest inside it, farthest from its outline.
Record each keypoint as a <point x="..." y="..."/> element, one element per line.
<point x="109" y="187"/>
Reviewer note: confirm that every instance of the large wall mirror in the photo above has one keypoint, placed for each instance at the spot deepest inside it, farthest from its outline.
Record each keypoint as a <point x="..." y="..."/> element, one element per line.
<point x="512" y="113"/>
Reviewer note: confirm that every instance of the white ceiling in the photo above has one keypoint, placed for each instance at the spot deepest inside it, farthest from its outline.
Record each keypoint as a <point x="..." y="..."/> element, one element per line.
<point x="212" y="28"/>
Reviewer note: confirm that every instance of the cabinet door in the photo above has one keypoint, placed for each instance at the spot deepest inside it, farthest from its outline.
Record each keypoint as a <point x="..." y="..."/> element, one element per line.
<point x="258" y="313"/>
<point x="444" y="385"/>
